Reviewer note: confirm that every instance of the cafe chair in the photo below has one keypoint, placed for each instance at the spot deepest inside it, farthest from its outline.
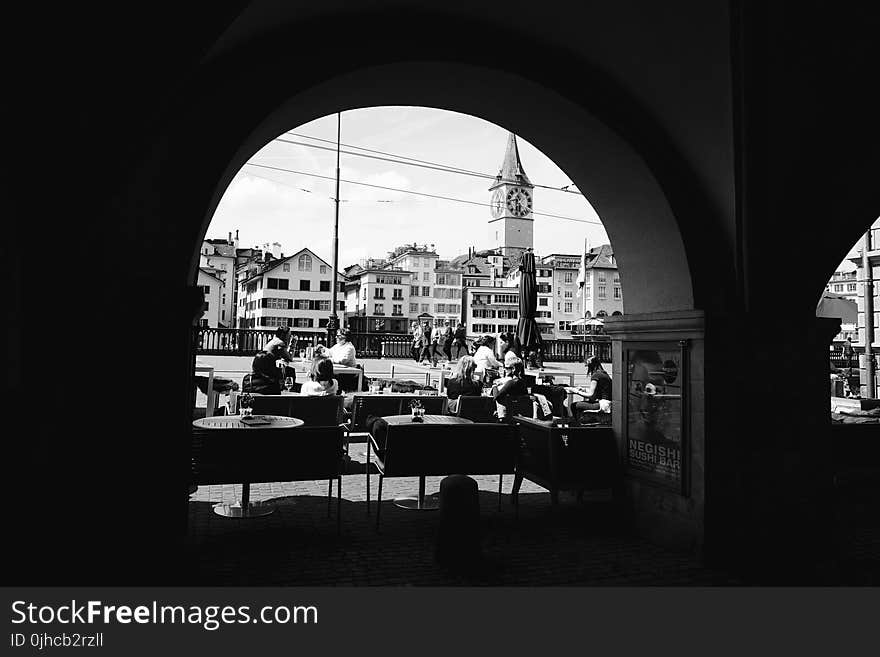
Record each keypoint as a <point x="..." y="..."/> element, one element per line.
<point x="314" y="410"/>
<point x="565" y="458"/>
<point x="477" y="408"/>
<point x="415" y="450"/>
<point x="234" y="456"/>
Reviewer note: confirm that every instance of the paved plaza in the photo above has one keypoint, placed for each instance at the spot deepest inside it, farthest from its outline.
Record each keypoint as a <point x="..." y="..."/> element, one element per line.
<point x="578" y="544"/>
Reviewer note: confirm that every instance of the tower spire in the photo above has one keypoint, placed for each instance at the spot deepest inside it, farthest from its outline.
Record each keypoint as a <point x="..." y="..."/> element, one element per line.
<point x="511" y="168"/>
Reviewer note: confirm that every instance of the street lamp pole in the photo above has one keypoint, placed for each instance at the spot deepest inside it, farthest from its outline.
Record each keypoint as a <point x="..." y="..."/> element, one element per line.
<point x="333" y="324"/>
<point x="868" y="306"/>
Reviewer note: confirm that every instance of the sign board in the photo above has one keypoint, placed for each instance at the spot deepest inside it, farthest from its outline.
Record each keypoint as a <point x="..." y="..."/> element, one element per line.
<point x="655" y="413"/>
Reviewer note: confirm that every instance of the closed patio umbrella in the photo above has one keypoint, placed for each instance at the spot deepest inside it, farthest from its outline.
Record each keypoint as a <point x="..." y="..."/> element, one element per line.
<point x="833" y="305"/>
<point x="526" y="330"/>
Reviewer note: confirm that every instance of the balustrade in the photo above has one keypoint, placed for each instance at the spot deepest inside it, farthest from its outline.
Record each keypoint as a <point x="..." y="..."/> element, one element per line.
<point x="246" y="342"/>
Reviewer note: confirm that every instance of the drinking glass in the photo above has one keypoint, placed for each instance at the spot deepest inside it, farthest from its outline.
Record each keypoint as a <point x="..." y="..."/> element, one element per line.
<point x="302" y="355"/>
<point x="288" y="383"/>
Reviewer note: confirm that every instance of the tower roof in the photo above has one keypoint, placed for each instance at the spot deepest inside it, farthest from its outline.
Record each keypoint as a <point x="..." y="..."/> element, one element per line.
<point x="511" y="168"/>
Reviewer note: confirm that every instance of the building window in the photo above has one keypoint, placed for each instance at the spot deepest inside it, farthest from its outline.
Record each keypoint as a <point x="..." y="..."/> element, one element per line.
<point x="568" y="277"/>
<point x="365" y="294"/>
<point x="304" y="322"/>
<point x="838" y="288"/>
<point x="426" y="307"/>
<point x="565" y="326"/>
<point x="413" y="290"/>
<point x="305" y="262"/>
<point x="397" y="293"/>
<point x="616" y="292"/>
<point x="568" y="294"/>
<point x="323" y="269"/>
<point x="379" y="293"/>
<point x="206" y="289"/>
<point x="601" y="276"/>
<point x="378" y="308"/>
<point x="285" y="266"/>
<point x="414" y="307"/>
<point x="397" y="309"/>
<point x="416" y="262"/>
<point x="483" y="328"/>
<point x="305" y="285"/>
<point x="600" y="292"/>
<point x="506" y="298"/>
<point x="279" y="284"/>
<point x="568" y="306"/>
<point x="426" y="291"/>
<point x="426" y="276"/>
<point x="850" y="287"/>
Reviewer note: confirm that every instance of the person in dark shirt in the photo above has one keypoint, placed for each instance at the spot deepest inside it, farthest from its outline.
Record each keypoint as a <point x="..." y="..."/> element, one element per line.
<point x="459" y="340"/>
<point x="511" y="385"/>
<point x="462" y="381"/>
<point x="599" y="388"/>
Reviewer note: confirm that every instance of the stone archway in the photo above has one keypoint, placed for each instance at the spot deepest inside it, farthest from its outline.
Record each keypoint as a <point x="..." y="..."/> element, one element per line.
<point x="647" y="240"/>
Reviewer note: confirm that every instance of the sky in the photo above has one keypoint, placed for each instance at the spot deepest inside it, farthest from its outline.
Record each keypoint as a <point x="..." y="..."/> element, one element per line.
<point x="297" y="210"/>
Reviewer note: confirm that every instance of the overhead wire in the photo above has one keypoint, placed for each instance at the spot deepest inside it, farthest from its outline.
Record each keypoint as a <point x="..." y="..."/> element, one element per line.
<point x="414" y="162"/>
<point x="407" y="191"/>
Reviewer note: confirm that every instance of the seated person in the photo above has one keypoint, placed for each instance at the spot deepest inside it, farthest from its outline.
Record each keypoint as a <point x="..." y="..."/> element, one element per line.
<point x="484" y="357"/>
<point x="265" y="377"/>
<point x="512" y="384"/>
<point x="462" y="382"/>
<point x="343" y="353"/>
<point x="598" y="394"/>
<point x="321" y="381"/>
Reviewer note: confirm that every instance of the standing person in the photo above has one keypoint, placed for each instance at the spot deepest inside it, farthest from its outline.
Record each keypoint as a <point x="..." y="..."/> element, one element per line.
<point x="436" y="340"/>
<point x="848" y="353"/>
<point x="416" y="348"/>
<point x="447" y="341"/>
<point x="425" y="354"/>
<point x="460" y="340"/>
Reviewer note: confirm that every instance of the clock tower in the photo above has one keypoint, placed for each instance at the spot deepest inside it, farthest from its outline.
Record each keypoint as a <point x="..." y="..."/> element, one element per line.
<point x="511" y="226"/>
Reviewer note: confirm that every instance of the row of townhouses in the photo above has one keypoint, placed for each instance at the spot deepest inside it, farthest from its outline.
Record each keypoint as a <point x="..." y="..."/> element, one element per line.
<point x="260" y="287"/>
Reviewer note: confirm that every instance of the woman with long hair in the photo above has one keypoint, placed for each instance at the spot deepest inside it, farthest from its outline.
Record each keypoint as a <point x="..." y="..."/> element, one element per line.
<point x="599" y="388"/>
<point x="321" y="381"/>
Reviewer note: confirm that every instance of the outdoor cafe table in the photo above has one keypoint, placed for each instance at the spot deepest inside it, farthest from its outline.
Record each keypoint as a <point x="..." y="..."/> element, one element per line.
<point x="245" y="508"/>
<point x="420" y="503"/>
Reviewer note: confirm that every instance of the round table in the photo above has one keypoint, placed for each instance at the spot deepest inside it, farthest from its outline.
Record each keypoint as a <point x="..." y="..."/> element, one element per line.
<point x="245" y="508"/>
<point x="421" y="502"/>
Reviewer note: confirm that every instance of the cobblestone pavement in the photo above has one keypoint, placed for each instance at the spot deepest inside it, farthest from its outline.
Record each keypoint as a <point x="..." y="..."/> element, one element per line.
<point x="579" y="544"/>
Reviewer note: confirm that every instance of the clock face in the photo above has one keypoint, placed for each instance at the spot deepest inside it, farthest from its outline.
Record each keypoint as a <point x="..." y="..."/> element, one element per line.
<point x="519" y="202"/>
<point x="497" y="203"/>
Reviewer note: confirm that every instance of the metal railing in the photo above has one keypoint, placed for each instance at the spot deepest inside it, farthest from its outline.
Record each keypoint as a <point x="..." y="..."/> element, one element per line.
<point x="247" y="342"/>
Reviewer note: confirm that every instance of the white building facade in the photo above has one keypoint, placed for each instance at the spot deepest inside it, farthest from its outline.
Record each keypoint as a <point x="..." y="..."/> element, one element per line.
<point x="294" y="291"/>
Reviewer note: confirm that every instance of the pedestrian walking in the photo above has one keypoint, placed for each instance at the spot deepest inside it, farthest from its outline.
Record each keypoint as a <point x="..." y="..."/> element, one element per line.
<point x="416" y="347"/>
<point x="448" y="335"/>
<point x="459" y="341"/>
<point x="425" y="354"/>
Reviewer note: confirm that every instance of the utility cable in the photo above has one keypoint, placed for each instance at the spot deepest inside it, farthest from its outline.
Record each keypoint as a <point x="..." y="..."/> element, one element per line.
<point x="406" y="191"/>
